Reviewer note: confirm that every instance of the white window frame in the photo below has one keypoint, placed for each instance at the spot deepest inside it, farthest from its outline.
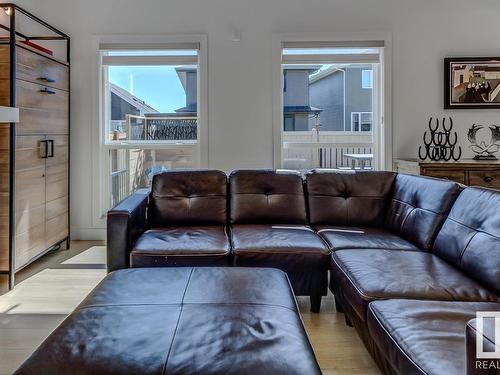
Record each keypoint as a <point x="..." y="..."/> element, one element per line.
<point x="370" y="79"/>
<point x="382" y="122"/>
<point x="353" y="114"/>
<point x="359" y="117"/>
<point x="100" y="146"/>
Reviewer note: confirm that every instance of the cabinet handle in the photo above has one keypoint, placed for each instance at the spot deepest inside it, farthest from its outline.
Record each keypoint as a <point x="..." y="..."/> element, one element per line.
<point x="47" y="79"/>
<point x="45" y="149"/>
<point x="45" y="90"/>
<point x="51" y="143"/>
<point x="488" y="179"/>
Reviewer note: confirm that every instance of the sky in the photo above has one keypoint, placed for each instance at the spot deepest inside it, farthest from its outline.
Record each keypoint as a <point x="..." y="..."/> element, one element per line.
<point x="158" y="86"/>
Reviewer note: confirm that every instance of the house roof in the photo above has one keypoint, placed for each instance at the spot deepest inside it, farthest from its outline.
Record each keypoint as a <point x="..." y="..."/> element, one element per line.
<point x="325" y="73"/>
<point x="191" y="108"/>
<point x="182" y="74"/>
<point x="334" y="69"/>
<point x="310" y="68"/>
<point x="134" y="101"/>
<point x="301" y="109"/>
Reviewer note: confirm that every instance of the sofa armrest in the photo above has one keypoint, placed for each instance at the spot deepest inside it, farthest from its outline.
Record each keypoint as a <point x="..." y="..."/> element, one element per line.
<point x="125" y="222"/>
<point x="480" y="366"/>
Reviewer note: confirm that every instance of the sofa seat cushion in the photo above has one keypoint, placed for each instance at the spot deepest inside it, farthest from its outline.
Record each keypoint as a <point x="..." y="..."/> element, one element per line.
<point x="423" y="337"/>
<point x="362" y="238"/>
<point x="288" y="247"/>
<point x="181" y="246"/>
<point x="365" y="275"/>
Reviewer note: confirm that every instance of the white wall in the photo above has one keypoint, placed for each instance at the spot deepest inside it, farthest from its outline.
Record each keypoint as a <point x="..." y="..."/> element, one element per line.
<point x="240" y="73"/>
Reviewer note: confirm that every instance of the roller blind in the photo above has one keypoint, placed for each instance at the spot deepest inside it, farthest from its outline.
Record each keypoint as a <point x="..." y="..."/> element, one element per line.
<point x="149" y="60"/>
<point x="178" y="46"/>
<point x="178" y="53"/>
<point x="335" y="44"/>
<point x="335" y="52"/>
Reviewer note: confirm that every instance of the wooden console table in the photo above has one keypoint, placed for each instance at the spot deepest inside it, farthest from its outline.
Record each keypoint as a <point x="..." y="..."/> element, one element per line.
<point x="466" y="171"/>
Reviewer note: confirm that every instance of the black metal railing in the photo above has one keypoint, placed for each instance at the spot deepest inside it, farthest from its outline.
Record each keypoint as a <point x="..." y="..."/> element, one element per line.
<point x="162" y="128"/>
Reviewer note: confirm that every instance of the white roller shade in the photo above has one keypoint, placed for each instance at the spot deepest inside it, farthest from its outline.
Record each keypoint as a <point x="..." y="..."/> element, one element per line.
<point x="323" y="52"/>
<point x="149" y="60"/>
<point x="368" y="58"/>
<point x="335" y="44"/>
<point x="178" y="46"/>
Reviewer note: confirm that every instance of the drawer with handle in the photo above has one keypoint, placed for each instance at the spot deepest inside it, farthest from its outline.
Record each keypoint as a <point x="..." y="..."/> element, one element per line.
<point x="486" y="178"/>
<point x="42" y="70"/>
<point x="456" y="175"/>
<point x="41" y="97"/>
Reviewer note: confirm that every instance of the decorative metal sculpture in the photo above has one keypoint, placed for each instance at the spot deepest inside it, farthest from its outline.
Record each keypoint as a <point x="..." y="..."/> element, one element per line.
<point x="441" y="145"/>
<point x="484" y="148"/>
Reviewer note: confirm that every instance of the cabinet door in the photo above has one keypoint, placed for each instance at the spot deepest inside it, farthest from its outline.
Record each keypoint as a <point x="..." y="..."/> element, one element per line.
<point x="56" y="196"/>
<point x="33" y="67"/>
<point x="42" y="109"/>
<point x="29" y="198"/>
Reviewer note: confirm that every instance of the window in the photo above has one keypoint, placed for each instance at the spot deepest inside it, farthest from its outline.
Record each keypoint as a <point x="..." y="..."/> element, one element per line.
<point x="367" y="79"/>
<point x="150" y="114"/>
<point x="361" y="121"/>
<point x="289" y="123"/>
<point x="328" y="101"/>
<point x="355" y="121"/>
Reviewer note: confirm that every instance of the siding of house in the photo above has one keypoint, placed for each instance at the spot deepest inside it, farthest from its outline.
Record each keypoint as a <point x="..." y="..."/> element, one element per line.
<point x="296" y="92"/>
<point x="327" y="94"/>
<point x="120" y="107"/>
<point x="191" y="89"/>
<point x="357" y="99"/>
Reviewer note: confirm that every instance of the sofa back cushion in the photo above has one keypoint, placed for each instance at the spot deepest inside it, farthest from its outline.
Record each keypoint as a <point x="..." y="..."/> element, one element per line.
<point x="419" y="206"/>
<point x="267" y="196"/>
<point x="470" y="236"/>
<point x="348" y="198"/>
<point x="188" y="198"/>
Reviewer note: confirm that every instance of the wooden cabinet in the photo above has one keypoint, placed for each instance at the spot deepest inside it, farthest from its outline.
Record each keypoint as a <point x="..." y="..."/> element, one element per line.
<point x="468" y="172"/>
<point x="34" y="156"/>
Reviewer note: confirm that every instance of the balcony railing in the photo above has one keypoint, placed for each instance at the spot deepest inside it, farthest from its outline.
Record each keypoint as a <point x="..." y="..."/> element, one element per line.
<point x="309" y="149"/>
<point x="120" y="187"/>
<point x="165" y="128"/>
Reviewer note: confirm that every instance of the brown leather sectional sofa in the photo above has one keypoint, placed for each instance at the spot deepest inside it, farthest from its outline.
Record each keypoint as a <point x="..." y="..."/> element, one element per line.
<point x="411" y="259"/>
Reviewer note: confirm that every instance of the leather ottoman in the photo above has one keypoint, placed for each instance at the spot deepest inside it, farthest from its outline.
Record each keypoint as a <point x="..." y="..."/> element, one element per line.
<point x="206" y="320"/>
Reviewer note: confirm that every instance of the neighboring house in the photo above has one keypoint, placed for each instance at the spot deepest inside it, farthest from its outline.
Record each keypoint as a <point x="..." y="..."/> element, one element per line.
<point x="188" y="79"/>
<point x="124" y="103"/>
<point x="345" y="96"/>
<point x="297" y="110"/>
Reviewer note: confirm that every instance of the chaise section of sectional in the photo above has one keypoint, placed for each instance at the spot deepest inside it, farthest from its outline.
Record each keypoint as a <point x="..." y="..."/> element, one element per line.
<point x="425" y="337"/>
<point x="269" y="229"/>
<point x="411" y="308"/>
<point x="366" y="275"/>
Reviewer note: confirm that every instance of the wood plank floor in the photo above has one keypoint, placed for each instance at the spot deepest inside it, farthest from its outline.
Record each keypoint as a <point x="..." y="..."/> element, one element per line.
<point x="49" y="289"/>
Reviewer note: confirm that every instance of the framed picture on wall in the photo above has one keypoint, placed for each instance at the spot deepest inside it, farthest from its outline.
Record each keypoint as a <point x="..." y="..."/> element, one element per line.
<point x="472" y="82"/>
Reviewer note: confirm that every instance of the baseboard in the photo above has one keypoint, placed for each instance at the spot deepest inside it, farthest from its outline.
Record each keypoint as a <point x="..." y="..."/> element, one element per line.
<point x="88" y="234"/>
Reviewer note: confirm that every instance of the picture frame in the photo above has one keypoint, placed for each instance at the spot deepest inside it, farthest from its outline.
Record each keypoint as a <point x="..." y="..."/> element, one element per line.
<point x="472" y="82"/>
